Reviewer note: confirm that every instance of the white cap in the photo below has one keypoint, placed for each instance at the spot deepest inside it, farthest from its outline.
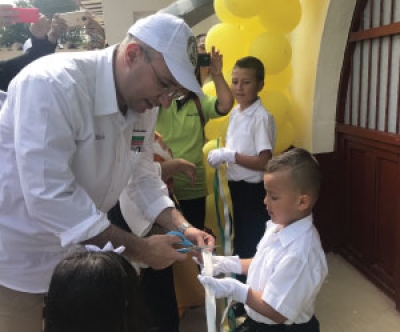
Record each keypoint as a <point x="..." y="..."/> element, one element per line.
<point x="173" y="38"/>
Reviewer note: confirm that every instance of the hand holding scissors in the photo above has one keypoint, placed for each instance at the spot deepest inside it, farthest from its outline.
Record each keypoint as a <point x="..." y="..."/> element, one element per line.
<point x="188" y="246"/>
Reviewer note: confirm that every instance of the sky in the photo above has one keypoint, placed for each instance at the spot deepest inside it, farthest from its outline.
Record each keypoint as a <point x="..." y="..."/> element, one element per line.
<point x="6" y="1"/>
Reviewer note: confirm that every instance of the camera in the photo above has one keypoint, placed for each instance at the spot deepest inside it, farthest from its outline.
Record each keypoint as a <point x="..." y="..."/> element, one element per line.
<point x="203" y="60"/>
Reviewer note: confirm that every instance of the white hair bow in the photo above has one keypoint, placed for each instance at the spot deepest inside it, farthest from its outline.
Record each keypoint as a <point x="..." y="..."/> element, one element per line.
<point x="107" y="247"/>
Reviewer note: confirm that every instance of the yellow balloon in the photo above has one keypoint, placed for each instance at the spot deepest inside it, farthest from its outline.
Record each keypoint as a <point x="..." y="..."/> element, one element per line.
<point x="210" y="145"/>
<point x="287" y="94"/>
<point x="209" y="177"/>
<point x="227" y="72"/>
<point x="281" y="16"/>
<point x="273" y="49"/>
<point x="277" y="103"/>
<point x="280" y="80"/>
<point x="284" y="137"/>
<point x="252" y="27"/>
<point x="209" y="89"/>
<point x="224" y="14"/>
<point x="217" y="128"/>
<point x="229" y="40"/>
<point x="211" y="218"/>
<point x="244" y="8"/>
<point x="211" y="213"/>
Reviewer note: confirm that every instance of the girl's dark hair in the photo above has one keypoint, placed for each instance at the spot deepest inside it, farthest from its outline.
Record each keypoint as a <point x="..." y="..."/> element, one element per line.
<point x="251" y="62"/>
<point x="94" y="292"/>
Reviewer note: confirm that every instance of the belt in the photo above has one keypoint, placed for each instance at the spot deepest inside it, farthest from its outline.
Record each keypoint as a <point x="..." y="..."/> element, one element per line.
<point x="251" y="325"/>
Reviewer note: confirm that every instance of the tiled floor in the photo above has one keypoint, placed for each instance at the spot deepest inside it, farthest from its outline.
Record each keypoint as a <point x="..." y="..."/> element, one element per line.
<point x="348" y="302"/>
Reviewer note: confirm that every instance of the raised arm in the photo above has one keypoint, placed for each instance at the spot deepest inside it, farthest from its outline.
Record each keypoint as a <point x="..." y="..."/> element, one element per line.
<point x="44" y="42"/>
<point x="224" y="93"/>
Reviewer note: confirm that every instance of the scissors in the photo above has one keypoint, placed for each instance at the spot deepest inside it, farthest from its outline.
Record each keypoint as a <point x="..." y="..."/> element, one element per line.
<point x="188" y="245"/>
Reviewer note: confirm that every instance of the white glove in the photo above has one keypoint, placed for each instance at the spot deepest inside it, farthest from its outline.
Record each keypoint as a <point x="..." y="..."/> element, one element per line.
<point x="223" y="264"/>
<point x="218" y="156"/>
<point x="226" y="287"/>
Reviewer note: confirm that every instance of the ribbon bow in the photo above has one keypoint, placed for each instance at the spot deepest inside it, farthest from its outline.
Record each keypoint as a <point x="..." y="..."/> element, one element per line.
<point x="108" y="247"/>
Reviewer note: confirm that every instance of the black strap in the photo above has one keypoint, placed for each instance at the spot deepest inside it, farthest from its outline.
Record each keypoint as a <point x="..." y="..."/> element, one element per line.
<point x="201" y="115"/>
<point x="200" y="111"/>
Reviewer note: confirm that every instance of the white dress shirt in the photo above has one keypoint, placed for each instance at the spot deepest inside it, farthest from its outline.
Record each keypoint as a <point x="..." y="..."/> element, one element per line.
<point x="65" y="151"/>
<point x="250" y="131"/>
<point x="289" y="268"/>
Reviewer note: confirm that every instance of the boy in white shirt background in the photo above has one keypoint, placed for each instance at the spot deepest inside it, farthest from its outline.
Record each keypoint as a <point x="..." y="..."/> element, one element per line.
<point x="289" y="267"/>
<point x="250" y="143"/>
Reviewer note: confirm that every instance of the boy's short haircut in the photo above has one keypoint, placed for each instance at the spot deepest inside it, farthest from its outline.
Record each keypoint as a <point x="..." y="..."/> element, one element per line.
<point x="251" y="62"/>
<point x="305" y="170"/>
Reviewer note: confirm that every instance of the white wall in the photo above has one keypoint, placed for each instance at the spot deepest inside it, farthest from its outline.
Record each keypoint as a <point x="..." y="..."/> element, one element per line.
<point x="205" y="25"/>
<point x="318" y="46"/>
<point x="333" y="45"/>
<point x="119" y="15"/>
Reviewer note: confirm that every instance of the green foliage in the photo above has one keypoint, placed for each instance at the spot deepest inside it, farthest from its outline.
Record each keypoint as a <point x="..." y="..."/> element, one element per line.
<point x="16" y="33"/>
<point x="22" y="4"/>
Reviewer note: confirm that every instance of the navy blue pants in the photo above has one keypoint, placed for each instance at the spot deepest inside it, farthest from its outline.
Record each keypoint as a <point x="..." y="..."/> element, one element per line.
<point x="194" y="211"/>
<point x="249" y="217"/>
<point x="250" y="325"/>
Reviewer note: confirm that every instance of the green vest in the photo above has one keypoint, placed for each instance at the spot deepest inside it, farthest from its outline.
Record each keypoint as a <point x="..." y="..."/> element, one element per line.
<point x="182" y="131"/>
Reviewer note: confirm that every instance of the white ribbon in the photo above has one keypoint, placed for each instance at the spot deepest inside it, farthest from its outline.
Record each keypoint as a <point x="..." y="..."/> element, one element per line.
<point x="227" y="230"/>
<point x="225" y="313"/>
<point x="107" y="247"/>
<point x="211" y="307"/>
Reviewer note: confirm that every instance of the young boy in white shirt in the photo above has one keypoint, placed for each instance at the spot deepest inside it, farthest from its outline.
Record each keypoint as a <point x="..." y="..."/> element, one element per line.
<point x="289" y="267"/>
<point x="250" y="143"/>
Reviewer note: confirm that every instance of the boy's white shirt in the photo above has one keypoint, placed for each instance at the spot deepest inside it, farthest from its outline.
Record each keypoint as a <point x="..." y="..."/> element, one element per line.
<point x="250" y="131"/>
<point x="289" y="268"/>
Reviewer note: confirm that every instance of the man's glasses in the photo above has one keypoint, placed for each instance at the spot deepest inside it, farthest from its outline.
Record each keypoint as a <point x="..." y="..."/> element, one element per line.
<point x="171" y="91"/>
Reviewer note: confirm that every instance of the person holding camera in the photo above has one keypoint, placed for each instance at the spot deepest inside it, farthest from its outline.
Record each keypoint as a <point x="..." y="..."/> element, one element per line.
<point x="44" y="36"/>
<point x="204" y="59"/>
<point x="182" y="127"/>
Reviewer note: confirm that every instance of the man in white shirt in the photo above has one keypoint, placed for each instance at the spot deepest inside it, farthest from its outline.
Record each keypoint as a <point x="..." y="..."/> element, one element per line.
<point x="73" y="131"/>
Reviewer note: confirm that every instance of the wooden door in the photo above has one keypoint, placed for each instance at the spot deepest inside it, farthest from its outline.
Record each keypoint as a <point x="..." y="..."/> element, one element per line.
<point x="368" y="144"/>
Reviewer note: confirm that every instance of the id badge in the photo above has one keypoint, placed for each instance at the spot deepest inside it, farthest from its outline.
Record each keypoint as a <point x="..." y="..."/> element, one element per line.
<point x="137" y="140"/>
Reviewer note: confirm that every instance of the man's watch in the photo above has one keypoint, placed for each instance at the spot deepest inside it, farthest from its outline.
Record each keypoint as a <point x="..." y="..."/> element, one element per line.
<point x="184" y="226"/>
